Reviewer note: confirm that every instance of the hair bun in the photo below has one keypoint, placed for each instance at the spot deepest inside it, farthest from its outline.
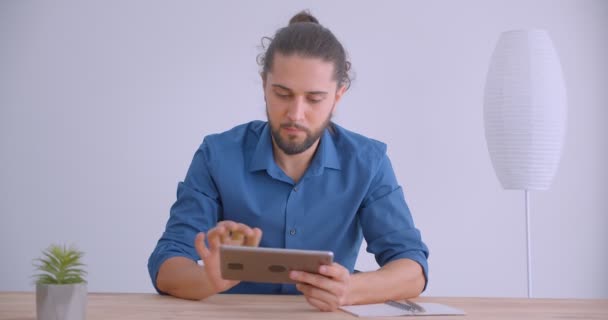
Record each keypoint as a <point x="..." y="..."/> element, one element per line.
<point x="303" y="16"/>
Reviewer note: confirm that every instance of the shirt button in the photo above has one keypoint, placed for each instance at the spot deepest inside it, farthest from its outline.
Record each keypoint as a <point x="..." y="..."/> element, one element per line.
<point x="295" y="189"/>
<point x="292" y="232"/>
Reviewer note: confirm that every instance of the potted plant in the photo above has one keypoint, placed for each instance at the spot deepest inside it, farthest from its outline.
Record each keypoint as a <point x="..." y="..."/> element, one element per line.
<point x="61" y="290"/>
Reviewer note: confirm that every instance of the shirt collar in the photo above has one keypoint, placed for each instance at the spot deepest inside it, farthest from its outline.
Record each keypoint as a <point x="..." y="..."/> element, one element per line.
<point x="325" y="157"/>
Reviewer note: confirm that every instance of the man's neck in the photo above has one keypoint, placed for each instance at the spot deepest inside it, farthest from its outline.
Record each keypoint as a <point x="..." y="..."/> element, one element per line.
<point x="295" y="165"/>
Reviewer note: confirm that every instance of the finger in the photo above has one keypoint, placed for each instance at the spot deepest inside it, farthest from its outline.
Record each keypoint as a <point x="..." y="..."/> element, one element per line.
<point x="216" y="232"/>
<point x="222" y="232"/>
<point x="313" y="279"/>
<point x="199" y="244"/>
<point x="235" y="227"/>
<point x="237" y="237"/>
<point x="255" y="238"/>
<point x="228" y="224"/>
<point x="239" y="233"/>
<point x="236" y="233"/>
<point x="319" y="304"/>
<point x="330" y="285"/>
<point x="334" y="271"/>
<point x="317" y="293"/>
<point x="214" y="237"/>
<point x="307" y="290"/>
<point x="231" y="232"/>
<point x="244" y="229"/>
<point x="225" y="238"/>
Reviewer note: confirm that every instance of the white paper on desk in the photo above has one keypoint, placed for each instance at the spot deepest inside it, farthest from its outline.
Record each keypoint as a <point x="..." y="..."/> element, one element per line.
<point x="385" y="310"/>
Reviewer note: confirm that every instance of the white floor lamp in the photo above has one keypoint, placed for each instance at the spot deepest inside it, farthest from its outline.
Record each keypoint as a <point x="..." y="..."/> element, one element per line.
<point x="525" y="115"/>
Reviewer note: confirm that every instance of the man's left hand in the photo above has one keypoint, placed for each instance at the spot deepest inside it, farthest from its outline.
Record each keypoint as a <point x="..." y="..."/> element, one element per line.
<point x="327" y="290"/>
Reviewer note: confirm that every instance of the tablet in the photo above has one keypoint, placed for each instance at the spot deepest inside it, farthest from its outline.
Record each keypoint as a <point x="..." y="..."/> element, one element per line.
<point x="269" y="264"/>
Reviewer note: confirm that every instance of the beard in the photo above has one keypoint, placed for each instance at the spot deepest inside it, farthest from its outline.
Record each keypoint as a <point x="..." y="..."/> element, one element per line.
<point x="290" y="145"/>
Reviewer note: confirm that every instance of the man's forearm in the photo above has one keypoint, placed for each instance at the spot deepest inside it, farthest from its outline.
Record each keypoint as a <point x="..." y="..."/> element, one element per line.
<point x="184" y="278"/>
<point x="398" y="279"/>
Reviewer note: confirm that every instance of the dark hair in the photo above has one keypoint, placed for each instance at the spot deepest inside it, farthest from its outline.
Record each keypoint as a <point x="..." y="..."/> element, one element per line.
<point x="305" y="36"/>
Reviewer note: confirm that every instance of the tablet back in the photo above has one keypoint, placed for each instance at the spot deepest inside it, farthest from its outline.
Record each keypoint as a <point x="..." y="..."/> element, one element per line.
<point x="269" y="264"/>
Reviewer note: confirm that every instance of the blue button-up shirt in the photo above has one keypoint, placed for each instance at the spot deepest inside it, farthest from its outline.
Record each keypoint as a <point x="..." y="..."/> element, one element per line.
<point x="349" y="191"/>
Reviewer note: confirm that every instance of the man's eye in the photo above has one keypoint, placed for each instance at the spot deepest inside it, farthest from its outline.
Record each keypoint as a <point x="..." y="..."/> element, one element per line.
<point x="282" y="95"/>
<point x="311" y="100"/>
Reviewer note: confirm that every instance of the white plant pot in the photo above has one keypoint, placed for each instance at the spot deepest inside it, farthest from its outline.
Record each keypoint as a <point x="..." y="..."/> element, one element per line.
<point x="61" y="301"/>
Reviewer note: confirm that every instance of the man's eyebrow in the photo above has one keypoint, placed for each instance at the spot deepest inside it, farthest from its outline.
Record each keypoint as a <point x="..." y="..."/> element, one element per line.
<point x="288" y="89"/>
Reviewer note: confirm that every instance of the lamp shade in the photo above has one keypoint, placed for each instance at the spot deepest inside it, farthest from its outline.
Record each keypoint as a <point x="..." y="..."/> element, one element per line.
<point x="525" y="110"/>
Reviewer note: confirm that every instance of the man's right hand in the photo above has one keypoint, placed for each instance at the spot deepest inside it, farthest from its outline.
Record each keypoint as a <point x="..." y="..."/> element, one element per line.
<point x="225" y="232"/>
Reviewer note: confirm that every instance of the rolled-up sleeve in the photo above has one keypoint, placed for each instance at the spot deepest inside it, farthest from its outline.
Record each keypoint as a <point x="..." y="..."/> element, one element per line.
<point x="387" y="223"/>
<point x="197" y="208"/>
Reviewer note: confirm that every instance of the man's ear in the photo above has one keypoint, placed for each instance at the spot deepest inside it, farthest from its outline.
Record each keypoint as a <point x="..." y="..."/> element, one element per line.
<point x="263" y="86"/>
<point x="339" y="93"/>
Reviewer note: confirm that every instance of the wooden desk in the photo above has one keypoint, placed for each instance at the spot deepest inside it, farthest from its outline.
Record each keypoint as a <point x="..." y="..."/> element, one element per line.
<point x="22" y="306"/>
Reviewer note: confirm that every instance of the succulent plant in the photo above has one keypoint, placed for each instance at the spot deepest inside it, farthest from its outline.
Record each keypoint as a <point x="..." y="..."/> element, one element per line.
<point x="60" y="265"/>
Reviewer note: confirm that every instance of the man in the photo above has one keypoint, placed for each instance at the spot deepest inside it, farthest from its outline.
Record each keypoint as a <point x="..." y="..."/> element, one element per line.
<point x="304" y="181"/>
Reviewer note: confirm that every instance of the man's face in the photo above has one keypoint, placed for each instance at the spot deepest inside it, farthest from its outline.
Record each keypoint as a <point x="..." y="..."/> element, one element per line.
<point x="301" y="95"/>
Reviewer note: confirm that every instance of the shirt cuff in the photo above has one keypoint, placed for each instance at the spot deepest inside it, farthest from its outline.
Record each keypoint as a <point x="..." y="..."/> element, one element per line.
<point x="158" y="257"/>
<point x="418" y="257"/>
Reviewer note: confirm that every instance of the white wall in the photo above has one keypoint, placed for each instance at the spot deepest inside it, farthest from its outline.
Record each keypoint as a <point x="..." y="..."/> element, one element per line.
<point x="103" y="103"/>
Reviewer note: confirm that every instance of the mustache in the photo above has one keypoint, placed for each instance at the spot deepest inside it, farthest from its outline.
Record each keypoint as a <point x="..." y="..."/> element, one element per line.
<point x="294" y="125"/>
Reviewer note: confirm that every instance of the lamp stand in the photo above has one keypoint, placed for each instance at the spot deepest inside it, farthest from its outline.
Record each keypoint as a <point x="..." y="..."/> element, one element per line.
<point x="528" y="242"/>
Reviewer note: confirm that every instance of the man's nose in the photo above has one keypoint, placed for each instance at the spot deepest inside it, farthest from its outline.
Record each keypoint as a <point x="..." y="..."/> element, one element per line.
<point x="296" y="109"/>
